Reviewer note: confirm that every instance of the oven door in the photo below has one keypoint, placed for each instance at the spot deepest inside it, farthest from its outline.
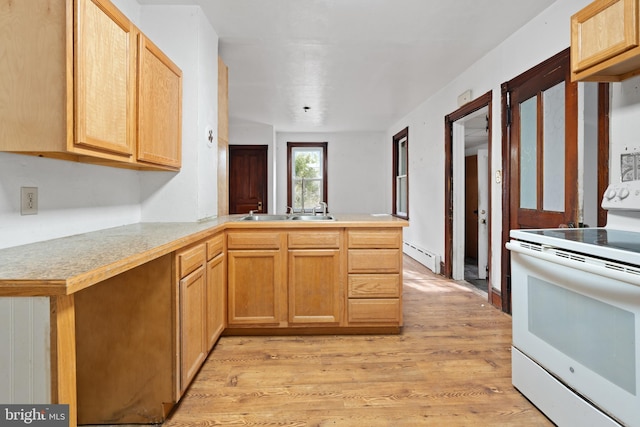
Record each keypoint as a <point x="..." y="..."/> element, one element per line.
<point x="580" y="324"/>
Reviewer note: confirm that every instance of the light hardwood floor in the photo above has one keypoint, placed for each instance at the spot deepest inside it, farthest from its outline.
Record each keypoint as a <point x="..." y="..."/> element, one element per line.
<point x="450" y="366"/>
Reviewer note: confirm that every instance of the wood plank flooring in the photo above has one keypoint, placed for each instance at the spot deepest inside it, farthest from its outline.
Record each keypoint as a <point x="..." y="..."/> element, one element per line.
<point x="450" y="366"/>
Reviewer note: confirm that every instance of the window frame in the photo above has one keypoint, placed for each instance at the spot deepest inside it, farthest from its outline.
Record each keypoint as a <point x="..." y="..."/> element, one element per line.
<point x="397" y="139"/>
<point x="325" y="185"/>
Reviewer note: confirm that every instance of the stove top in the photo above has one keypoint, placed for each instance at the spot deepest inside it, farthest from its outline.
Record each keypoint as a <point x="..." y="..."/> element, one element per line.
<point x="616" y="245"/>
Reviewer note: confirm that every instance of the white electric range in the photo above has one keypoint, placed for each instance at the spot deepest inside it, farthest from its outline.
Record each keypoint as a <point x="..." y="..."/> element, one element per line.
<point x="576" y="316"/>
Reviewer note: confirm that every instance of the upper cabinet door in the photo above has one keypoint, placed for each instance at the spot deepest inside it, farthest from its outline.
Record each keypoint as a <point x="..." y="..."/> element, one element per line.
<point x="159" y="107"/>
<point x="104" y="78"/>
<point x="604" y="41"/>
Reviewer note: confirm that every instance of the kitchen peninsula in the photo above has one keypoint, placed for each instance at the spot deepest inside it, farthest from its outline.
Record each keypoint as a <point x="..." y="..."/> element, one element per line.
<point x="134" y="310"/>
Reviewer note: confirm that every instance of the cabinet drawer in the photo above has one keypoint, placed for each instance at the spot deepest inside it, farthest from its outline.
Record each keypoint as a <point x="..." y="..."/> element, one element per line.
<point x="215" y="246"/>
<point x="253" y="240"/>
<point x="374" y="310"/>
<point x="314" y="239"/>
<point x="189" y="260"/>
<point x="374" y="238"/>
<point x="374" y="260"/>
<point x="374" y="285"/>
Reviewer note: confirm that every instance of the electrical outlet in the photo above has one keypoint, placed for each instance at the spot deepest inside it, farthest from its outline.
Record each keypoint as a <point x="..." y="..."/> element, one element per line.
<point x="28" y="200"/>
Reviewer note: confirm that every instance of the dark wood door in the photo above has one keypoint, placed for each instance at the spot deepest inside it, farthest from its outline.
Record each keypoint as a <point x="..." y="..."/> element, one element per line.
<point x="471" y="207"/>
<point x="247" y="178"/>
<point x="541" y="154"/>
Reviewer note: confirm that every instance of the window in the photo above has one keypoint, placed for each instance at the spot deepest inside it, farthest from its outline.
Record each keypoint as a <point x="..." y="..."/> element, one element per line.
<point x="401" y="173"/>
<point x="306" y="175"/>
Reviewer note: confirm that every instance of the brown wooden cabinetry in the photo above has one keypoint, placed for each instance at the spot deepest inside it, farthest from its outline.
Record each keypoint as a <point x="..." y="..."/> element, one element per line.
<point x="202" y="304"/>
<point x="216" y="289"/>
<point x="314" y="277"/>
<point x="71" y="74"/>
<point x="256" y="283"/>
<point x="375" y="277"/>
<point x="605" y="41"/>
<point x="125" y="348"/>
<point x="159" y="107"/>
<point x="192" y="313"/>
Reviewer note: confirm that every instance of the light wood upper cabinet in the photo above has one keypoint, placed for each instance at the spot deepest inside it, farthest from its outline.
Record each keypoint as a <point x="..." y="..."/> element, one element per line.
<point x="159" y="107"/>
<point x="72" y="89"/>
<point x="104" y="75"/>
<point x="605" y="41"/>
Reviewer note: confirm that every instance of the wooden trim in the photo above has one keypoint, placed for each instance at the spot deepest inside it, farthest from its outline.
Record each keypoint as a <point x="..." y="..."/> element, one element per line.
<point x="63" y="354"/>
<point x="603" y="148"/>
<point x="404" y="133"/>
<point x="475" y="105"/>
<point x="325" y="184"/>
<point x="506" y="196"/>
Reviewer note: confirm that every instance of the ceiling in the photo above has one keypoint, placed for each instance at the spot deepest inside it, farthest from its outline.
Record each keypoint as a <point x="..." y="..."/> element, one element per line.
<point x="358" y="65"/>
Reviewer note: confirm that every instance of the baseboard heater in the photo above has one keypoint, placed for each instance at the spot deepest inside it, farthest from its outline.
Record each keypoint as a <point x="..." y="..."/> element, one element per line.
<point x="424" y="257"/>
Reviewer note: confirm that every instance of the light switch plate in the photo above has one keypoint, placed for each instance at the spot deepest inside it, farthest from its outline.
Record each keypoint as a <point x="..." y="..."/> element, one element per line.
<point x="28" y="200"/>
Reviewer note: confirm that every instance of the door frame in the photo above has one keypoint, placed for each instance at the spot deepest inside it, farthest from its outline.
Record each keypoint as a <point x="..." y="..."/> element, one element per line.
<point x="469" y="108"/>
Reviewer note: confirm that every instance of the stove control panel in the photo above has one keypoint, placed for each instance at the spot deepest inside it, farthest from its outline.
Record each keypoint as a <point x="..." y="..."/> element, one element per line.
<point x="625" y="195"/>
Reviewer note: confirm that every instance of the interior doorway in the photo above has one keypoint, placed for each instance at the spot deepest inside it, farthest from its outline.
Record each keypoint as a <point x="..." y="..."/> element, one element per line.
<point x="468" y="134"/>
<point x="476" y="203"/>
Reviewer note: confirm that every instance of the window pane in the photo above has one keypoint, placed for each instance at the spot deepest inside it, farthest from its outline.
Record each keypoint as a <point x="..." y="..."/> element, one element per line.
<point x="401" y="195"/>
<point x="553" y="149"/>
<point x="528" y="153"/>
<point x="402" y="157"/>
<point x="308" y="163"/>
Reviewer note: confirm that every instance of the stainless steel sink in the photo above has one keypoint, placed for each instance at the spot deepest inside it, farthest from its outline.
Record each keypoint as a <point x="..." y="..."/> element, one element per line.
<point x="264" y="217"/>
<point x="313" y="218"/>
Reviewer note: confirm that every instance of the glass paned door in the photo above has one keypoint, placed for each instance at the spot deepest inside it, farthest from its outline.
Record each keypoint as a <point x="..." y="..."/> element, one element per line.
<point x="543" y="140"/>
<point x="542" y="150"/>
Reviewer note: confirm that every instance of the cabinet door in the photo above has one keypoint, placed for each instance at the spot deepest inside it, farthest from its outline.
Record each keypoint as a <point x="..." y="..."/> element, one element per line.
<point x="315" y="286"/>
<point x="255" y="286"/>
<point x="159" y="107"/>
<point x="192" y="326"/>
<point x="104" y="79"/>
<point x="602" y="30"/>
<point x="216" y="299"/>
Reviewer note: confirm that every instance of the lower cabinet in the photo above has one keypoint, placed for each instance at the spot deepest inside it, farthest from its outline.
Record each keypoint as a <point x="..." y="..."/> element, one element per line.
<point x="192" y="313"/>
<point x="255" y="279"/>
<point x="216" y="289"/>
<point x="374" y="277"/>
<point x="285" y="279"/>
<point x="314" y="279"/>
<point x="201" y="304"/>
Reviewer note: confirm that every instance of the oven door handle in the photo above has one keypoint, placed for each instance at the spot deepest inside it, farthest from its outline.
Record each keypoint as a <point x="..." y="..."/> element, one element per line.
<point x="615" y="271"/>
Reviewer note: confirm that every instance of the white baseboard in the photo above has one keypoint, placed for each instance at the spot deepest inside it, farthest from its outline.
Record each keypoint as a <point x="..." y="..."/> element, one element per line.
<point x="424" y="257"/>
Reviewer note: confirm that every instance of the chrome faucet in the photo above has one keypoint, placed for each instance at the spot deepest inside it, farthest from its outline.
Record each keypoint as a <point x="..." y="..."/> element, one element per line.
<point x="323" y="205"/>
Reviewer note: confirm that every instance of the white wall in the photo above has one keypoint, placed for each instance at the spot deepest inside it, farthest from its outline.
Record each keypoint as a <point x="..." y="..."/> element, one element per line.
<point x="625" y="123"/>
<point x="252" y="133"/>
<point x="76" y="198"/>
<point x="541" y="38"/>
<point x="359" y="170"/>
